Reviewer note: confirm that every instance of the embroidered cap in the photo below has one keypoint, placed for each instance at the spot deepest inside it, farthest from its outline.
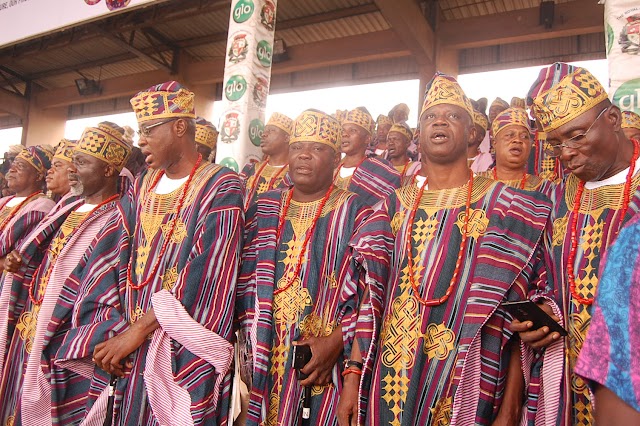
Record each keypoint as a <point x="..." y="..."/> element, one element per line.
<point x="481" y="120"/>
<point x="403" y="129"/>
<point x="383" y="120"/>
<point x="444" y="89"/>
<point x="281" y="121"/>
<point x="106" y="142"/>
<point x="509" y="117"/>
<point x="630" y="120"/>
<point x="360" y="118"/>
<point x="164" y="100"/>
<point x="37" y="156"/>
<point x="206" y="133"/>
<point x="316" y="126"/>
<point x="64" y="150"/>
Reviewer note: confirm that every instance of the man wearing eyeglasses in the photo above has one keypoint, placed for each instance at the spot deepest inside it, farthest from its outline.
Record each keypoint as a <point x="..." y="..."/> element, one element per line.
<point x="590" y="206"/>
<point x="158" y="300"/>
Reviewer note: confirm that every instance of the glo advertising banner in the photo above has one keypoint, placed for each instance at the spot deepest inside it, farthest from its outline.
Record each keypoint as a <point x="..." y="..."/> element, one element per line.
<point x="246" y="81"/>
<point x="622" y="29"/>
<point x="23" y="19"/>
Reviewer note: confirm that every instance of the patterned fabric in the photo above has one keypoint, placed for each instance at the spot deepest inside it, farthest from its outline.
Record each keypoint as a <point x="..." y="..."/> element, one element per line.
<point x="609" y="356"/>
<point x="509" y="117"/>
<point x="107" y="143"/>
<point x="532" y="183"/>
<point x="316" y="126"/>
<point x="340" y="286"/>
<point x="270" y="178"/>
<point x="499" y="102"/>
<point x="630" y="120"/>
<point x="573" y="95"/>
<point x="372" y="180"/>
<point x="37" y="156"/>
<point x="340" y="115"/>
<point x="69" y="245"/>
<point x="444" y="89"/>
<point x="383" y="120"/>
<point x="64" y="150"/>
<point x="281" y="121"/>
<point x="408" y="172"/>
<point x="164" y="100"/>
<point x="447" y="364"/>
<point x="403" y="129"/>
<point x="195" y="285"/>
<point x="518" y="103"/>
<point x="540" y="164"/>
<point x="547" y="78"/>
<point x="30" y="234"/>
<point x="361" y="119"/>
<point x="206" y="133"/>
<point x="480" y="119"/>
<point x="598" y="222"/>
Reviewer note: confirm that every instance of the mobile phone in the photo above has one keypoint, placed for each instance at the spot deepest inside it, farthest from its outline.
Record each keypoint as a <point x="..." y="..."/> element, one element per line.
<point x="526" y="310"/>
<point x="301" y="356"/>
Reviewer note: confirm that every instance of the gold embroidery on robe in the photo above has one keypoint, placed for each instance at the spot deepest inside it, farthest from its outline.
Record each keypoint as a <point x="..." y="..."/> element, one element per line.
<point x="27" y="323"/>
<point x="439" y="341"/>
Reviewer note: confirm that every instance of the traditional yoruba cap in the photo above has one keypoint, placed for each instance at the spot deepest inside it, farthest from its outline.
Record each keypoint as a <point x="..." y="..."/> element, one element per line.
<point x="281" y="121"/>
<point x="168" y="99"/>
<point x="15" y="149"/>
<point x="316" y="126"/>
<point x="508" y="117"/>
<point x="517" y="103"/>
<point x="360" y="118"/>
<point x="630" y="120"/>
<point x="206" y="133"/>
<point x="499" y="102"/>
<point x="37" y="156"/>
<point x="571" y="97"/>
<point x="340" y="115"/>
<point x="547" y="78"/>
<point x="107" y="143"/>
<point x="403" y="129"/>
<point x="481" y="120"/>
<point x="64" y="150"/>
<point x="383" y="120"/>
<point x="444" y="89"/>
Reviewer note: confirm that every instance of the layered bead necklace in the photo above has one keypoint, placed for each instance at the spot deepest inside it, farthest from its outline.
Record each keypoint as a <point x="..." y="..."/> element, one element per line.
<point x="574" y="223"/>
<point x="270" y="184"/>
<point x="522" y="182"/>
<point x="165" y="243"/>
<point x="281" y="223"/>
<point x="410" y="264"/>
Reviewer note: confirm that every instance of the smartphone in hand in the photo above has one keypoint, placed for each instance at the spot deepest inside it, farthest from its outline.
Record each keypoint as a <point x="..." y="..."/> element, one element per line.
<point x="526" y="310"/>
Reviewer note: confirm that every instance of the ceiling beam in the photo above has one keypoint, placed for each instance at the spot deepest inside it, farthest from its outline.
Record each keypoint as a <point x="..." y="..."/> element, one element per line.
<point x="13" y="104"/>
<point x="573" y="18"/>
<point x="354" y="49"/>
<point x="407" y="20"/>
<point x="139" y="53"/>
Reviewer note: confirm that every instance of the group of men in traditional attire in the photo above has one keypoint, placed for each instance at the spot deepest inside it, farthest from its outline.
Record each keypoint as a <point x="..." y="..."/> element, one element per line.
<point x="350" y="283"/>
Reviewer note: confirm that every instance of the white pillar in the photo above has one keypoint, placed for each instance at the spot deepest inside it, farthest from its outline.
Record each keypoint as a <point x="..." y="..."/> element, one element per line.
<point x="247" y="76"/>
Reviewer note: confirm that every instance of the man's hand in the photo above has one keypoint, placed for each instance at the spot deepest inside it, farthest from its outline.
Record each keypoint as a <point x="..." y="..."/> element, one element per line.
<point x="13" y="261"/>
<point x="348" y="402"/>
<point x="325" y="352"/>
<point x="537" y="339"/>
<point x="110" y="354"/>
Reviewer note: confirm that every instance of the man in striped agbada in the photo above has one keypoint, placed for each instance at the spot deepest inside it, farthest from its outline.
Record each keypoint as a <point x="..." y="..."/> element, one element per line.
<point x="157" y="307"/>
<point x="463" y="244"/>
<point x="314" y="263"/>
<point x="97" y="160"/>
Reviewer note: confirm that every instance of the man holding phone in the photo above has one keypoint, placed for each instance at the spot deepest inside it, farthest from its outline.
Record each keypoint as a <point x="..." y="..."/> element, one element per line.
<point x="310" y="290"/>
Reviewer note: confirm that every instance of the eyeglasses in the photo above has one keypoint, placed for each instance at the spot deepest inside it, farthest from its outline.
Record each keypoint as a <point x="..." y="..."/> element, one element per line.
<point x="572" y="143"/>
<point x="146" y="131"/>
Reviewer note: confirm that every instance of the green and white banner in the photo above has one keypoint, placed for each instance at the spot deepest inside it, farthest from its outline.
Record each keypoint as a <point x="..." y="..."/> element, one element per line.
<point x="622" y="30"/>
<point x="247" y="76"/>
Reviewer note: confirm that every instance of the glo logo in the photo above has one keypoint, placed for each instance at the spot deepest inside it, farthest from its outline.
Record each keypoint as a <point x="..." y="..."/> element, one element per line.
<point x="265" y="53"/>
<point x="256" y="127"/>
<point x="243" y="11"/>
<point x="231" y="163"/>
<point x="235" y="88"/>
<point x="627" y="97"/>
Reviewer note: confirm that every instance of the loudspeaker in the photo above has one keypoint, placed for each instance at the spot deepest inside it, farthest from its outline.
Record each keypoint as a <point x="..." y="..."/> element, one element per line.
<point x="547" y="11"/>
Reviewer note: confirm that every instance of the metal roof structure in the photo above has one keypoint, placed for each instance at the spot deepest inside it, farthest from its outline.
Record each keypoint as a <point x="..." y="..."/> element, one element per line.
<point x="329" y="42"/>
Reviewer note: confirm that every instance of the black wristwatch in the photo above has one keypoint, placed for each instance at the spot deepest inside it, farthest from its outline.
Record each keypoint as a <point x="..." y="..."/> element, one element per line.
<point x="350" y="363"/>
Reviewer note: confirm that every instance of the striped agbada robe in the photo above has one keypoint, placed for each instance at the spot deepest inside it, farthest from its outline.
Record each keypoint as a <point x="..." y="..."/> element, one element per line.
<point x="23" y="222"/>
<point x="447" y="364"/>
<point x="76" y="235"/>
<point x="17" y="324"/>
<point x="372" y="180"/>
<point x="340" y="285"/>
<point x="408" y="172"/>
<point x="609" y="356"/>
<point x="540" y="164"/>
<point x="193" y="296"/>
<point x="270" y="178"/>
<point x="532" y="183"/>
<point x="597" y="224"/>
